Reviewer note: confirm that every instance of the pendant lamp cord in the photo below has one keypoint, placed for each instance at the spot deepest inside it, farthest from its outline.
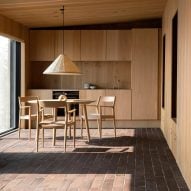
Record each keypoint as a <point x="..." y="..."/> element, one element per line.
<point x="62" y="10"/>
<point x="63" y="29"/>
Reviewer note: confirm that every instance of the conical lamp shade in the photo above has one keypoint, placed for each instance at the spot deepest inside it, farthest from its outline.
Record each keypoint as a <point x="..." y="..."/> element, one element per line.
<point x="62" y="66"/>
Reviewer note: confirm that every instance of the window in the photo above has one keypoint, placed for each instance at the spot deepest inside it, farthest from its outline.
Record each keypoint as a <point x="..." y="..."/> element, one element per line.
<point x="163" y="71"/>
<point x="9" y="83"/>
<point x="174" y="66"/>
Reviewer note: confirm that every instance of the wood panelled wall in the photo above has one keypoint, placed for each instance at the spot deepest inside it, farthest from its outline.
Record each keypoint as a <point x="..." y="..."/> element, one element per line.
<point x="16" y="31"/>
<point x="12" y="29"/>
<point x="178" y="134"/>
<point x="102" y="74"/>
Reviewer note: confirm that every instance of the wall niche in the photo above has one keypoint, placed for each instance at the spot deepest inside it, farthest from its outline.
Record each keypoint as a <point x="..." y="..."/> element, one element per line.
<point x="103" y="74"/>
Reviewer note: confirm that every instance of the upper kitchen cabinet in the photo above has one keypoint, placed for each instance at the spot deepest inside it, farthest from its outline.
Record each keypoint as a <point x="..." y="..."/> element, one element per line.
<point x="93" y="45"/>
<point x="42" y="45"/>
<point x="71" y="44"/>
<point x="119" y="43"/>
<point x="145" y="74"/>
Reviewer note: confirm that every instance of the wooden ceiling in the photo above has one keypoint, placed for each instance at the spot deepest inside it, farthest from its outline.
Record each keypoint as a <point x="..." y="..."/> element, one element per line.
<point x="46" y="13"/>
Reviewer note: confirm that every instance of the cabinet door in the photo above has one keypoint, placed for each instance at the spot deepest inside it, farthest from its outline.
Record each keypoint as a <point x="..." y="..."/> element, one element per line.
<point x="42" y="45"/>
<point x="91" y="94"/>
<point x="71" y="44"/>
<point x="42" y="94"/>
<point x="145" y="74"/>
<point x="119" y="43"/>
<point x="123" y="103"/>
<point x="93" y="45"/>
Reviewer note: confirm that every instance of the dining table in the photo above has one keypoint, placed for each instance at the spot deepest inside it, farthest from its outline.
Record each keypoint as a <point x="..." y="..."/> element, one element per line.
<point x="82" y="102"/>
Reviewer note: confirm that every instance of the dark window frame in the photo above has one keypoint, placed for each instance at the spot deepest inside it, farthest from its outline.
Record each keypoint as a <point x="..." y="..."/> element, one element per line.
<point x="174" y="67"/>
<point x="15" y="74"/>
<point x="163" y="71"/>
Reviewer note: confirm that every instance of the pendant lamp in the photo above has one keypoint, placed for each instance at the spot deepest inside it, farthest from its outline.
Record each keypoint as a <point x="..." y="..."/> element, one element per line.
<point x="62" y="65"/>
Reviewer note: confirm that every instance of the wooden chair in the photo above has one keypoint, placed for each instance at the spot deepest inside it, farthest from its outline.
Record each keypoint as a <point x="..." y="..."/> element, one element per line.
<point x="104" y="109"/>
<point x="68" y="120"/>
<point x="28" y="111"/>
<point x="92" y="109"/>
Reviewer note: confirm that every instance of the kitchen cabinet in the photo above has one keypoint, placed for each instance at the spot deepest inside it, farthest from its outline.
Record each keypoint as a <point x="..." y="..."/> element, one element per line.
<point x="71" y="44"/>
<point x="145" y="74"/>
<point x="46" y="45"/>
<point x="42" y="94"/>
<point x="123" y="103"/>
<point x="93" y="45"/>
<point x="123" y="100"/>
<point x="91" y="94"/>
<point x="119" y="43"/>
<point x="42" y="45"/>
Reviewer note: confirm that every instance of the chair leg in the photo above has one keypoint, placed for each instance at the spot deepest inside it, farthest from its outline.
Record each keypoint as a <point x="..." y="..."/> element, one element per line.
<point x="82" y="126"/>
<point x="54" y="136"/>
<point x="114" y="125"/>
<point x="65" y="137"/>
<point x="99" y="130"/>
<point x="37" y="139"/>
<point x="19" y="128"/>
<point x="100" y="126"/>
<point x="43" y="137"/>
<point x="74" y="138"/>
<point x="70" y="132"/>
<point x="29" y="129"/>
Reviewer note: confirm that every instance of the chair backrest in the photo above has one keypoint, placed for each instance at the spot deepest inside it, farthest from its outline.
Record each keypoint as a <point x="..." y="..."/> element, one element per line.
<point x="27" y="99"/>
<point x="107" y="101"/>
<point x="31" y="101"/>
<point x="54" y="104"/>
<point x="107" y="105"/>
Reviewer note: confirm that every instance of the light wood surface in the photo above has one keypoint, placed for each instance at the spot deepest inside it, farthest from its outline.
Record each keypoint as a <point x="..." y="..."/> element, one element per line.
<point x="28" y="112"/>
<point x="104" y="109"/>
<point x="39" y="13"/>
<point x="42" y="44"/>
<point x="145" y="74"/>
<point x="68" y="121"/>
<point x="91" y="94"/>
<point x="119" y="45"/>
<point x="42" y="94"/>
<point x="12" y="29"/>
<point x="15" y="31"/>
<point x="102" y="74"/>
<point x="123" y="103"/>
<point x="178" y="134"/>
<point x="93" y="45"/>
<point x="72" y="42"/>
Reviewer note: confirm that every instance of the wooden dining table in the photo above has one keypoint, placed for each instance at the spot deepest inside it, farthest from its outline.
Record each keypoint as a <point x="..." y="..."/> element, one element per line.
<point x="82" y="102"/>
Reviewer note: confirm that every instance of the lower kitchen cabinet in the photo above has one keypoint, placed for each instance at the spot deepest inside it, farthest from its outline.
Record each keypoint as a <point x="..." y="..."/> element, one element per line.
<point x="123" y="103"/>
<point x="42" y="94"/>
<point x="122" y="106"/>
<point x="91" y="94"/>
<point x="123" y="100"/>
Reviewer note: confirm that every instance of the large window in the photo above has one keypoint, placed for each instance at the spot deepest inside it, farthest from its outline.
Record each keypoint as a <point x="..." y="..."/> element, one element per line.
<point x="4" y="84"/>
<point x="9" y="83"/>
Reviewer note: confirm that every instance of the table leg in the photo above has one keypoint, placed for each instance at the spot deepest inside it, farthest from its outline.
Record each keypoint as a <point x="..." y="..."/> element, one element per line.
<point x="86" y="121"/>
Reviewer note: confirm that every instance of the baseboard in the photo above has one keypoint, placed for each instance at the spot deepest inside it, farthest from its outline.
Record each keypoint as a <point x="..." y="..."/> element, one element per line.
<point x="127" y="124"/>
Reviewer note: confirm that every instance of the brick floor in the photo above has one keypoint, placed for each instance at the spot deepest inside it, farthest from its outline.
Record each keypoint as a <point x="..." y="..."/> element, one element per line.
<point x="137" y="160"/>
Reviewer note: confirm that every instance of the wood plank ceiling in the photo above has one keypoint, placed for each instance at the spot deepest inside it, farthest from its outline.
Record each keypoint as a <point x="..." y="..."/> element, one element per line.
<point x="46" y="13"/>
